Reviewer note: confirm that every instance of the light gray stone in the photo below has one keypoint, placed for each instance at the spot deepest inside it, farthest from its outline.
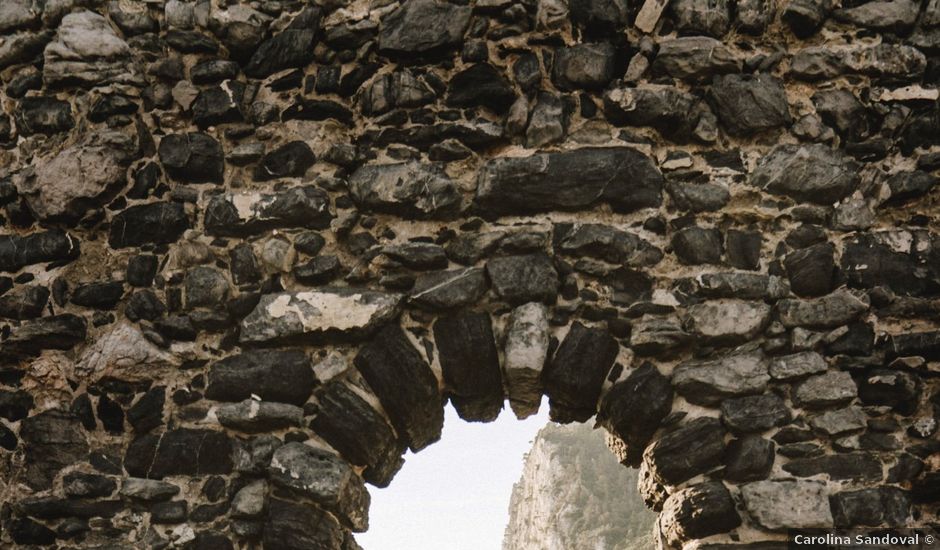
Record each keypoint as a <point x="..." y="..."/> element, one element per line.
<point x="708" y="382"/>
<point x="840" y="421"/>
<point x="832" y="310"/>
<point x="253" y="416"/>
<point x="796" y="365"/>
<point x="248" y="502"/>
<point x="728" y="320"/>
<point x="149" y="490"/>
<point x="780" y="505"/>
<point x="86" y="50"/>
<point x="525" y="353"/>
<point x="824" y="390"/>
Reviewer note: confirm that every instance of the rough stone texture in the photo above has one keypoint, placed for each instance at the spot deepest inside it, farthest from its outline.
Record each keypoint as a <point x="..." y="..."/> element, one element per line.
<point x="184" y="181"/>
<point x="778" y="505"/>
<point x="470" y="365"/>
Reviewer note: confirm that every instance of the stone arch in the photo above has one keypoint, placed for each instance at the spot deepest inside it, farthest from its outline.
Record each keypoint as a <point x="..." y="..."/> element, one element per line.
<point x="249" y="249"/>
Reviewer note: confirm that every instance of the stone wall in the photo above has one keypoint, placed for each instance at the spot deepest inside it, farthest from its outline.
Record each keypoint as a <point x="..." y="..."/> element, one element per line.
<point x="248" y="250"/>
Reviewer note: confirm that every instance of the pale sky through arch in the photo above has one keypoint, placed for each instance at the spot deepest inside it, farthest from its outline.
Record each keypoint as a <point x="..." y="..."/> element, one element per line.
<point x="454" y="495"/>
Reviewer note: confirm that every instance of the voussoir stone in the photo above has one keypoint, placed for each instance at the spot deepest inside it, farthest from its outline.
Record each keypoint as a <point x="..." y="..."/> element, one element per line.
<point x="778" y="505"/>
<point x="352" y="426"/>
<point x="284" y="376"/>
<point x="405" y="385"/>
<point x="298" y="526"/>
<point x="405" y="189"/>
<point x="470" y="365"/>
<point x="574" y="376"/>
<point x="422" y="26"/>
<point x="569" y="180"/>
<point x="525" y="355"/>
<point x="524" y="278"/>
<point x="322" y="313"/>
<point x="247" y="213"/>
<point x="708" y="382"/>
<point x="323" y="477"/>
<point x="697" y="512"/>
<point x="812" y="173"/>
<point x="694" y="448"/>
<point x="633" y="409"/>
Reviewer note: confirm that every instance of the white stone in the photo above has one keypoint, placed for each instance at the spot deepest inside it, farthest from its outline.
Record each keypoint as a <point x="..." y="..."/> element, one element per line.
<point x="525" y="354"/>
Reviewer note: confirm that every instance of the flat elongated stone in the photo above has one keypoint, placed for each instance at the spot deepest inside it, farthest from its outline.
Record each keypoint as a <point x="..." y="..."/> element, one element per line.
<point x="606" y="243"/>
<point x="693" y="57"/>
<point x="325" y="478"/>
<point x="253" y="416"/>
<point x="359" y="432"/>
<point x="284" y="376"/>
<point x="149" y="490"/>
<point x="845" y="466"/>
<point x="838" y="308"/>
<point x="240" y="214"/>
<point x="409" y="189"/>
<point x="831" y="388"/>
<point x="524" y="357"/>
<point x="182" y="451"/>
<point x="796" y="365"/>
<point x="423" y="26"/>
<point x="17" y="252"/>
<point x="574" y="376"/>
<point x="728" y="321"/>
<point x="694" y="448"/>
<point x="157" y="223"/>
<point x="570" y="180"/>
<point x="673" y="112"/>
<point x="449" y="289"/>
<point x="63" y="331"/>
<point x="632" y="410"/>
<point x="323" y="313"/>
<point x="707" y="382"/>
<point x="778" y="505"/>
<point x="470" y="365"/>
<point x="874" y="507"/>
<point x="840" y="421"/>
<point x="404" y="384"/>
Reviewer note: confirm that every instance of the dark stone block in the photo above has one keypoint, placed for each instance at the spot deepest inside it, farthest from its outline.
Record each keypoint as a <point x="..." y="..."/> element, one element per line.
<point x="697" y="245"/>
<point x="52" y="440"/>
<point x="154" y="223"/>
<point x="692" y="449"/>
<point x="82" y="485"/>
<point x="571" y="180"/>
<point x="285" y="376"/>
<point x="15" y="405"/>
<point x="449" y="289"/>
<point x="290" y="48"/>
<point x="481" y="85"/>
<point x="27" y="531"/>
<point x="754" y="413"/>
<point x="521" y="279"/>
<point x="634" y="409"/>
<point x="181" y="451"/>
<point x="193" y="157"/>
<point x="749" y="458"/>
<point x="99" y="295"/>
<point x="17" y="252"/>
<point x="470" y="365"/>
<point x="219" y="104"/>
<point x="307" y="206"/>
<point x="893" y="388"/>
<point x="25" y="302"/>
<point x="749" y="104"/>
<point x="50" y="507"/>
<point x="697" y="512"/>
<point x="360" y="433"/>
<point x="811" y="270"/>
<point x="404" y="384"/>
<point x="289" y="160"/>
<point x="141" y="270"/>
<point x="573" y="377"/>
<point x="869" y="261"/>
<point x="296" y="526"/>
<point x="915" y="344"/>
<point x="854" y="466"/>
<point x="61" y="332"/>
<point x="147" y="413"/>
<point x="887" y="506"/>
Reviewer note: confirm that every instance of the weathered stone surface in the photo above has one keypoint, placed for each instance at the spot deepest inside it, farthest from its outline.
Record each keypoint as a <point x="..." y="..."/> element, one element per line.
<point x="753" y="16"/>
<point x="360" y="433"/>
<point x="703" y="197"/>
<point x="728" y="321"/>
<point x="778" y="505"/>
<point x="526" y="278"/>
<point x="599" y="15"/>
<point x="855" y="466"/>
<point x="17" y="252"/>
<point x="840" y="421"/>
<point x="896" y="389"/>
<point x="470" y="365"/>
<point x="749" y="458"/>
<point x="296" y="526"/>
<point x="606" y="243"/>
<point x="181" y="451"/>
<point x="252" y="212"/>
<point x="86" y="51"/>
<point x="897" y="16"/>
<point x="525" y="355"/>
<point x="907" y="185"/>
<point x="194" y="157"/>
<point x="78" y="178"/>
<point x="754" y="413"/>
<point x="449" y="289"/>
<point x="749" y="104"/>
<point x="481" y="85"/>
<point x="804" y="17"/>
<point x="746" y="286"/>
<point x="696" y="58"/>
<point x="584" y="66"/>
<point x="811" y="270"/>
<point x="697" y="245"/>
<point x="289" y="48"/>
<point x="812" y="173"/>
<point x="149" y="490"/>
<point x="254" y="416"/>
<point x="796" y="365"/>
<point x="652" y="334"/>
<point x="676" y="114"/>
<point x="249" y="501"/>
<point x="405" y="189"/>
<point x="548" y="122"/>
<point x="400" y="89"/>
<point x="633" y="409"/>
<point x="82" y="485"/>
<point x="324" y="478"/>
<point x="881" y="506"/>
<point x="284" y="376"/>
<point x="573" y="377"/>
<point x="824" y="390"/>
<point x="289" y="160"/>
<point x="570" y="180"/>
<point x="25" y="302"/>
<point x="694" y="448"/>
<point x="888" y="259"/>
<point x="415" y="408"/>
<point x="697" y="512"/>
<point x="63" y="331"/>
<point x="316" y="314"/>
<point x="423" y="26"/>
<point x="708" y="382"/>
<point x="124" y="349"/>
<point x="838" y="308"/>
<point x="43" y="115"/>
<point x="157" y="223"/>
<point x="51" y="441"/>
